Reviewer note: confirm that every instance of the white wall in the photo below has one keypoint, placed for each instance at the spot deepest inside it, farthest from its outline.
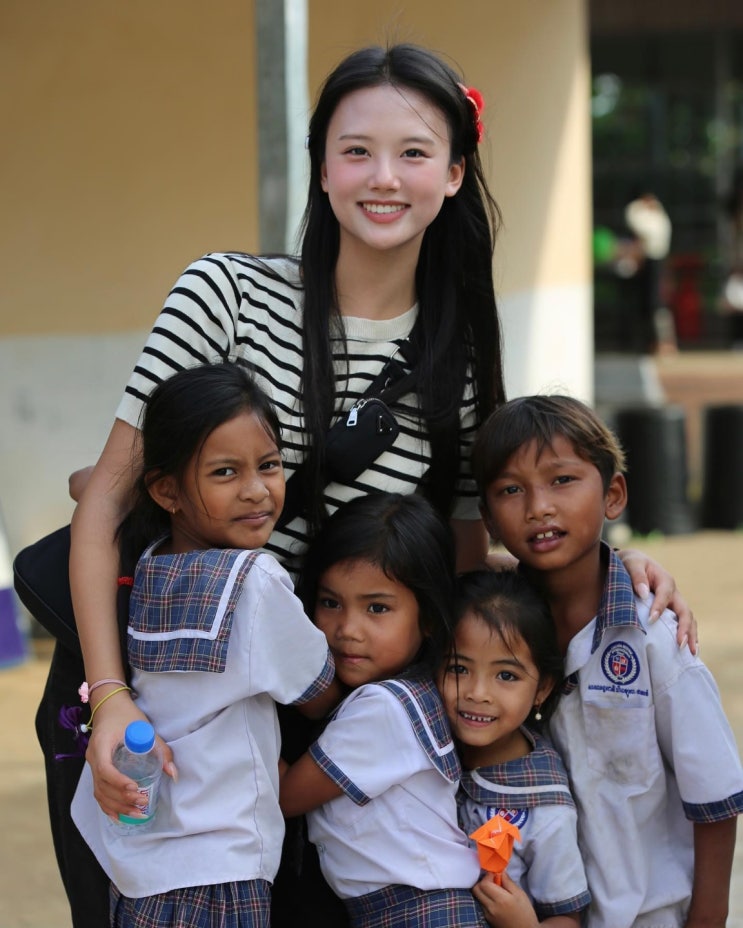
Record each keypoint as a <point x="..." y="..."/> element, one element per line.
<point x="548" y="343"/>
<point x="57" y="405"/>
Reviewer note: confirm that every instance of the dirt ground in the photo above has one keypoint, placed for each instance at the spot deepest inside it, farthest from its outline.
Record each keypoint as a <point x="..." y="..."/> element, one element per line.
<point x="709" y="570"/>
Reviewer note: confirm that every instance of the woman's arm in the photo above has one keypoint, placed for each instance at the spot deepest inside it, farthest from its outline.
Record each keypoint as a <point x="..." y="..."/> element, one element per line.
<point x="304" y="787"/>
<point x="78" y="480"/>
<point x="648" y="576"/>
<point x="94" y="562"/>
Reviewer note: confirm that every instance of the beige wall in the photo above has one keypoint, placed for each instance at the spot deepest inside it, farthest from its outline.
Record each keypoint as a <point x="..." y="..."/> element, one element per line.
<point x="130" y="133"/>
<point x="128" y="150"/>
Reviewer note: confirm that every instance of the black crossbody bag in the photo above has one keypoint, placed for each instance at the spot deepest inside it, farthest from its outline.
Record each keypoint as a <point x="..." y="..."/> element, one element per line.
<point x="360" y="435"/>
<point x="41" y="570"/>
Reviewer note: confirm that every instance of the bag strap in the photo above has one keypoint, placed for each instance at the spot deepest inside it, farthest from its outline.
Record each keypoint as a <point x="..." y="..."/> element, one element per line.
<point x="392" y="382"/>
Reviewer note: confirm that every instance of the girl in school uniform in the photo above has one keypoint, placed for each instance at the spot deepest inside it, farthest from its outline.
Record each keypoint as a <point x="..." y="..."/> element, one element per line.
<point x="380" y="782"/>
<point x="216" y="638"/>
<point x="499" y="688"/>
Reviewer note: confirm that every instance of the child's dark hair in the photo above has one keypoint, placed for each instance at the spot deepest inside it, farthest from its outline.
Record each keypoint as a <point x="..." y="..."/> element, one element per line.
<point x="510" y="606"/>
<point x="541" y="418"/>
<point x="458" y="323"/>
<point x="409" y="541"/>
<point x="178" y="417"/>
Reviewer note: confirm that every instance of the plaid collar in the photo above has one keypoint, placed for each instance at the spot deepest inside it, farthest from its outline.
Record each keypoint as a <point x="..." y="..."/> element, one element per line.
<point x="536" y="779"/>
<point x="181" y="609"/>
<point x="421" y="700"/>
<point x="617" y="606"/>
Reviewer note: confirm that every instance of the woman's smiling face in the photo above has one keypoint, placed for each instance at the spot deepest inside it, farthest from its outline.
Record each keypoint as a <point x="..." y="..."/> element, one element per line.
<point x="387" y="167"/>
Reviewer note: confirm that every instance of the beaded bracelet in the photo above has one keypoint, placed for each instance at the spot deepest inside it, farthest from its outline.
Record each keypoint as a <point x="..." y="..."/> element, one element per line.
<point x="89" y="726"/>
<point x="86" y="691"/>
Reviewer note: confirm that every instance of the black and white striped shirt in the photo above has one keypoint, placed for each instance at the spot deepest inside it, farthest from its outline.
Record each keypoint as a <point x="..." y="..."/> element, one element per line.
<point x="230" y="306"/>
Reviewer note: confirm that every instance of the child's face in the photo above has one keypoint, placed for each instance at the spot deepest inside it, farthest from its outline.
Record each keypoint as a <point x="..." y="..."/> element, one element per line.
<point x="489" y="688"/>
<point x="233" y="490"/>
<point x="387" y="168"/>
<point x="370" y="621"/>
<point x="548" y="509"/>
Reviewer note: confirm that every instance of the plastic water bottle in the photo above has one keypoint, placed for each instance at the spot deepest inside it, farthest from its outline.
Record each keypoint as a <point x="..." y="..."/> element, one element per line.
<point x="138" y="758"/>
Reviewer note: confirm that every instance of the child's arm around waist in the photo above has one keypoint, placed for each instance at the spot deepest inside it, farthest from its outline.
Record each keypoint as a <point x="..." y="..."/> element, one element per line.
<point x="365" y="749"/>
<point x="304" y="786"/>
<point x="321" y="705"/>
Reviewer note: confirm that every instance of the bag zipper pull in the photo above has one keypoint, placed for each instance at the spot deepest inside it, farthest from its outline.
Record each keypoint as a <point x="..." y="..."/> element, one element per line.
<point x="353" y="413"/>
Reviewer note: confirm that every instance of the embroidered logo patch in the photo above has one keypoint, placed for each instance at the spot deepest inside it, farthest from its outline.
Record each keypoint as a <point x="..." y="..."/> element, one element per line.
<point x="516" y="817"/>
<point x="620" y="664"/>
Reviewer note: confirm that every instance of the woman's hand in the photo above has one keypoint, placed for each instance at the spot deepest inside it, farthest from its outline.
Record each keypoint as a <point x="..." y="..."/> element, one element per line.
<point x="648" y="576"/>
<point x="115" y="792"/>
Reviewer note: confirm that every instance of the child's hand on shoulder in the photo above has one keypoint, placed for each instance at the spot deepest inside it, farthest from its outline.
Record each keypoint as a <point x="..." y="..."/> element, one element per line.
<point x="505" y="906"/>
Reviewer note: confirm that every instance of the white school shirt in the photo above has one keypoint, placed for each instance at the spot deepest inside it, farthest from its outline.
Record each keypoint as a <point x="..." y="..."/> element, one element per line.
<point x="389" y="748"/>
<point x="649" y="751"/>
<point x="532" y="793"/>
<point x="221" y="821"/>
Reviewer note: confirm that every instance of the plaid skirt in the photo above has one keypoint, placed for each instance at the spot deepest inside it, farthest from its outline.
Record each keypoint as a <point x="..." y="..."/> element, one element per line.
<point x="243" y="904"/>
<point x="398" y="906"/>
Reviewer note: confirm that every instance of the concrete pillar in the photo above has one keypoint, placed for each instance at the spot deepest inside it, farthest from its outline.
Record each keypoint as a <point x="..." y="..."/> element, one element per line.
<point x="281" y="79"/>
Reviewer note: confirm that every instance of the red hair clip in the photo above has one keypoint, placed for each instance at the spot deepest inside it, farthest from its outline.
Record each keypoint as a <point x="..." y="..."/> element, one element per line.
<point x="477" y="102"/>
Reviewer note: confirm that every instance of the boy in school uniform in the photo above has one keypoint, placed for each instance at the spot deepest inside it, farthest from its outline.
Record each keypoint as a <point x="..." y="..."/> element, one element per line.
<point x="652" y="760"/>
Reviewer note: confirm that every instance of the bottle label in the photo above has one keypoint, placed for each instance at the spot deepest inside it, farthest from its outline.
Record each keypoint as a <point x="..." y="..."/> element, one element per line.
<point x="150" y="794"/>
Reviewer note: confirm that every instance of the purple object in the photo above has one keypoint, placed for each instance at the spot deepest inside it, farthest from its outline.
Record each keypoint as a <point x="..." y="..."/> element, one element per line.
<point x="12" y="642"/>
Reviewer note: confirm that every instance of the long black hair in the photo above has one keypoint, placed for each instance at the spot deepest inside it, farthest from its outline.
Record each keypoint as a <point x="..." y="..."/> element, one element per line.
<point x="178" y="417"/>
<point x="457" y="325"/>
<point x="409" y="541"/>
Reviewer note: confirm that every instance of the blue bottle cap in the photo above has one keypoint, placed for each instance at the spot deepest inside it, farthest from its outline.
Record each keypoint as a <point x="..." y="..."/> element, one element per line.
<point x="139" y="737"/>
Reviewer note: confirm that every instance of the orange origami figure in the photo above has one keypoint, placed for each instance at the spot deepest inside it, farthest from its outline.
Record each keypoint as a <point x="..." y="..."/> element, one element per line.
<point x="494" y="842"/>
